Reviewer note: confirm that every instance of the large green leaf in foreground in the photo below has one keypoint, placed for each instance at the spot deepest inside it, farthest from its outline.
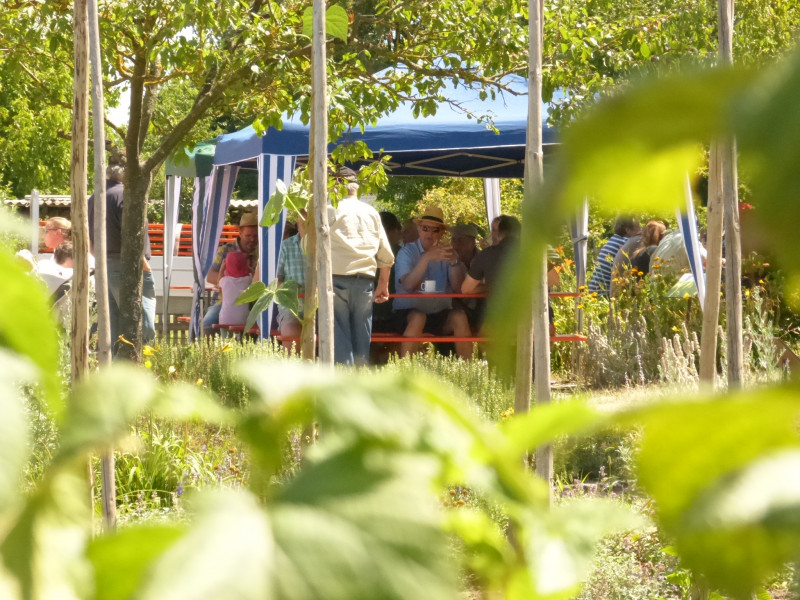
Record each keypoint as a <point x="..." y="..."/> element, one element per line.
<point x="724" y="477"/>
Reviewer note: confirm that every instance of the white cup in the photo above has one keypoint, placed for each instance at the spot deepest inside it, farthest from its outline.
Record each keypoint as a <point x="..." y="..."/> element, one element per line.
<point x="429" y="286"/>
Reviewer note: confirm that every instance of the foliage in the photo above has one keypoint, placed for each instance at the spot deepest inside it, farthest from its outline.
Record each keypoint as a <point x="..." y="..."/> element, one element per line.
<point x="490" y="395"/>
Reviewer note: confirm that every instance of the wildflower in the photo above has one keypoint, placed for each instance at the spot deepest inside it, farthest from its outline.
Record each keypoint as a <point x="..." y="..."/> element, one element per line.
<point x="580" y="306"/>
<point x="675" y="328"/>
<point x="179" y="491"/>
<point x="199" y="381"/>
<point x="226" y="347"/>
<point x="124" y="341"/>
<point x="686" y="296"/>
<point x="171" y="369"/>
<point x="761" y="281"/>
<point x="148" y="364"/>
<point x="148" y="351"/>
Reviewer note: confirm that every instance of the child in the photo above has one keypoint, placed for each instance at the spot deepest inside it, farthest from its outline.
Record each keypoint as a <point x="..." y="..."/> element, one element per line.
<point x="236" y="278"/>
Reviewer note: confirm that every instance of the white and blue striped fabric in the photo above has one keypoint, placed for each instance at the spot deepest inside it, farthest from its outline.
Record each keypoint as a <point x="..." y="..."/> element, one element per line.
<point x="212" y="197"/>
<point x="271" y="168"/>
<point x="172" y="193"/>
<point x="687" y="224"/>
<point x="491" y="194"/>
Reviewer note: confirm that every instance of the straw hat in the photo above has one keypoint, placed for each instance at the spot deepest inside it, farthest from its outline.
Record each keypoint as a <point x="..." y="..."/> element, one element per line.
<point x="433" y="214"/>
<point x="249" y="219"/>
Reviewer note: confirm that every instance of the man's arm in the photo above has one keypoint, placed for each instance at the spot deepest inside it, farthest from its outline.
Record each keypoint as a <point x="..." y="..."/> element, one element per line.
<point x="472" y="286"/>
<point x="411" y="281"/>
<point x="382" y="289"/>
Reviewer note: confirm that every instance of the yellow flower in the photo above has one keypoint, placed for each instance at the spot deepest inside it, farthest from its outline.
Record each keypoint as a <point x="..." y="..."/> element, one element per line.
<point x="580" y="305"/>
<point x="226" y="347"/>
<point x="199" y="382"/>
<point x="675" y="328"/>
<point x="761" y="281"/>
<point x="148" y="351"/>
<point x="124" y="341"/>
<point x="171" y="369"/>
<point x="148" y="364"/>
<point x="686" y="296"/>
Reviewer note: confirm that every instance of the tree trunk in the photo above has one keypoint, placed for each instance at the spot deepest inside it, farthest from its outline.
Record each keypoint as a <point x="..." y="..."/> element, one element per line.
<point x="733" y="243"/>
<point x="319" y="164"/>
<point x="708" y="338"/>
<point x="134" y="215"/>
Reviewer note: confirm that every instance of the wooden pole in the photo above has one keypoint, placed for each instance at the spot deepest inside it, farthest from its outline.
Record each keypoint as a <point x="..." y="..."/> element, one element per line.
<point x="79" y="357"/>
<point x="319" y="162"/>
<point x="708" y="337"/>
<point x="537" y="326"/>
<point x="733" y="243"/>
<point x="108" y="491"/>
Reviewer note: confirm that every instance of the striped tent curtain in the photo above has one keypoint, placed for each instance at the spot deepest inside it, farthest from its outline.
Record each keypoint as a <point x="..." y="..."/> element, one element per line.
<point x="212" y="197"/>
<point x="172" y="194"/>
<point x="687" y="224"/>
<point x="491" y="194"/>
<point x="579" y="232"/>
<point x="271" y="168"/>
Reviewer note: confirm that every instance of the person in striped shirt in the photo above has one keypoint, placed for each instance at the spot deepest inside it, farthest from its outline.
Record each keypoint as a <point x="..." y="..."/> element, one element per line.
<point x="624" y="227"/>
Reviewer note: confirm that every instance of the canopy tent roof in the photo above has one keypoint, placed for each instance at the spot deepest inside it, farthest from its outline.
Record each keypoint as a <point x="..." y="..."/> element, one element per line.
<point x="452" y="142"/>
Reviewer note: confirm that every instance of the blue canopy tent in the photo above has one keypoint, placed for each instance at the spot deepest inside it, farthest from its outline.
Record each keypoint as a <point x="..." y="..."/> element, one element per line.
<point x="466" y="137"/>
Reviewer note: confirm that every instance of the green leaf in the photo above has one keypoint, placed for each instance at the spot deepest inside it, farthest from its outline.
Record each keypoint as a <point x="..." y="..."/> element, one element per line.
<point x="276" y="204"/>
<point x="560" y="545"/>
<point x="633" y="151"/>
<point x="14" y="427"/>
<point x="228" y="553"/>
<point x="252" y="293"/>
<point x="644" y="50"/>
<point x="44" y="548"/>
<point x="337" y="22"/>
<point x="694" y="455"/>
<point x="376" y="533"/>
<point x="545" y="423"/>
<point x="286" y="295"/>
<point x="30" y="332"/>
<point x="767" y="127"/>
<point x="121" y="561"/>
<point x="186" y="402"/>
<point x="102" y="408"/>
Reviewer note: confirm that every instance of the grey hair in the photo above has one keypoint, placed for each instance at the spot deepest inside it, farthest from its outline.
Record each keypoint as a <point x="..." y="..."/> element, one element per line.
<point x="115" y="172"/>
<point x="352" y="188"/>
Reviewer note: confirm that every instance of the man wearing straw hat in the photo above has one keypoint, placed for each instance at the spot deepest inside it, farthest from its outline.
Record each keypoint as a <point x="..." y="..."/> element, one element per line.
<point x="432" y="262"/>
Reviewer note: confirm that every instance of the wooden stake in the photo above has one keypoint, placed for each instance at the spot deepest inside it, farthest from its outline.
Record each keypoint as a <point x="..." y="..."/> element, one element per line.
<point x="319" y="162"/>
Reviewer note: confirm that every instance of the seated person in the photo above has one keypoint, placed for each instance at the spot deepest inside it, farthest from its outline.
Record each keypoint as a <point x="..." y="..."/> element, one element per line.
<point x="624" y="228"/>
<point x="236" y="277"/>
<point x="292" y="267"/>
<point x="61" y="295"/>
<point x="670" y="256"/>
<point x="247" y="242"/>
<point x="429" y="258"/>
<point x="384" y="319"/>
<point x="487" y="266"/>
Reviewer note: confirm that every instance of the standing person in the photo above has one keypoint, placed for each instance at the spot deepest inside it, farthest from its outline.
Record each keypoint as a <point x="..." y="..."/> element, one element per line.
<point x="431" y="259"/>
<point x="359" y="246"/>
<point x="236" y="278"/>
<point x="115" y="173"/>
<point x="247" y="242"/>
<point x="624" y="227"/>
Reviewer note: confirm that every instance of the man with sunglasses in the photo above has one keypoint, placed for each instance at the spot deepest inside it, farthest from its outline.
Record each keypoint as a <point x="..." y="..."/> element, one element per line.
<point x="431" y="259"/>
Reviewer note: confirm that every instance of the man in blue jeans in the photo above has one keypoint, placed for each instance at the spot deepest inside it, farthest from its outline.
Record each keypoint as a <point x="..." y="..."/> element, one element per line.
<point x="115" y="174"/>
<point x="359" y="246"/>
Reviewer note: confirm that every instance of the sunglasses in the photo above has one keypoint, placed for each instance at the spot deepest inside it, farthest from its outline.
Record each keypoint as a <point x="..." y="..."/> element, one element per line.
<point x="428" y="229"/>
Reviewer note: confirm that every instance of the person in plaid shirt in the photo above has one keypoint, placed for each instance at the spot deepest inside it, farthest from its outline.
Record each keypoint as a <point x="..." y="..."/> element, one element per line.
<point x="292" y="267"/>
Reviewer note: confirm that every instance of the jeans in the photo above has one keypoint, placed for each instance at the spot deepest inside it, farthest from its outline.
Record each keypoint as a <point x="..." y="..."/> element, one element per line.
<point x="211" y="318"/>
<point x="352" y="319"/>
<point x="114" y="271"/>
